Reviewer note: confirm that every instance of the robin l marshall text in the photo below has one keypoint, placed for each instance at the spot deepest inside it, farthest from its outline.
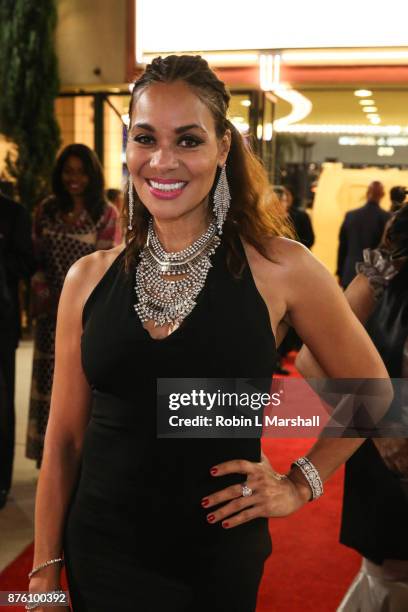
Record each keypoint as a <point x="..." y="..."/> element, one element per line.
<point x="240" y="421"/>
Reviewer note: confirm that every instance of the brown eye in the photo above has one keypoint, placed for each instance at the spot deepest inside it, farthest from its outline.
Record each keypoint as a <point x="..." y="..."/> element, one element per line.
<point x="143" y="139"/>
<point x="189" y="142"/>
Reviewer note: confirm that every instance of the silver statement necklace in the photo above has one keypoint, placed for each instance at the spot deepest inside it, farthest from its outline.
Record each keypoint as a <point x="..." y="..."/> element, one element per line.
<point x="170" y="301"/>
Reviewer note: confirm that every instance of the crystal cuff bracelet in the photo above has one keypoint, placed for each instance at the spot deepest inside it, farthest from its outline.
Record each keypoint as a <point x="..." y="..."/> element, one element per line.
<point x="312" y="476"/>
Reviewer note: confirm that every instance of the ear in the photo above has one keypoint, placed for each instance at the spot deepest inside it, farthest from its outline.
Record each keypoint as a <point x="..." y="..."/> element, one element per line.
<point x="224" y="147"/>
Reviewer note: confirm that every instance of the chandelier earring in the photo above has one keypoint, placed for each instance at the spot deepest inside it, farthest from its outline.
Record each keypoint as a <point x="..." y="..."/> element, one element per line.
<point x="222" y="198"/>
<point x="130" y="203"/>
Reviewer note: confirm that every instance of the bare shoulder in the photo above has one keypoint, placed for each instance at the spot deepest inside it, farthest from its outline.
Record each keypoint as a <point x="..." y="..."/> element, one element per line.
<point x="284" y="256"/>
<point x="288" y="274"/>
<point x="86" y="272"/>
<point x="274" y="275"/>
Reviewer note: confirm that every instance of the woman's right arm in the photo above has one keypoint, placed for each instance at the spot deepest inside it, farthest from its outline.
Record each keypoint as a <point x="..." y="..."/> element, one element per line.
<point x="68" y="418"/>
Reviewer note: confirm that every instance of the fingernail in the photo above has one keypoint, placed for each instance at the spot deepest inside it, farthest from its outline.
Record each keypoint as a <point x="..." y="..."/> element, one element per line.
<point x="213" y="471"/>
<point x="225" y="524"/>
<point x="211" y="518"/>
<point x="205" y="502"/>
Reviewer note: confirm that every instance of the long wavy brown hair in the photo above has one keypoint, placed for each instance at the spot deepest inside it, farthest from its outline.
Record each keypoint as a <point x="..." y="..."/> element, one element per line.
<point x="255" y="212"/>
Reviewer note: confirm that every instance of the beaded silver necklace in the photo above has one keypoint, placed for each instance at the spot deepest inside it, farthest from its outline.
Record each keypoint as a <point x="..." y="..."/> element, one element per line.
<point x="170" y="301"/>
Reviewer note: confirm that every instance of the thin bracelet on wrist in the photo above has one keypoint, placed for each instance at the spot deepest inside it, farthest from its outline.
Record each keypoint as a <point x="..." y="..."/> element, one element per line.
<point x="45" y="564"/>
<point x="312" y="476"/>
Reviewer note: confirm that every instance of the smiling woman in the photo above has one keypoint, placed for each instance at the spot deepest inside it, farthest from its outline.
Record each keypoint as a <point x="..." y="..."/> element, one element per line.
<point x="75" y="221"/>
<point x="205" y="285"/>
<point x="169" y="161"/>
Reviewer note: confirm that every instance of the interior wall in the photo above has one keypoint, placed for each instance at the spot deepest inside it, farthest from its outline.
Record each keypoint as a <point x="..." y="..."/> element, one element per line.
<point x="338" y="191"/>
<point x="75" y="116"/>
<point x="91" y="36"/>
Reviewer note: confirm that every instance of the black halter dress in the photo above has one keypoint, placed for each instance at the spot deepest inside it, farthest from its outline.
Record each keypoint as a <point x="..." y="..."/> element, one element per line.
<point x="136" y="536"/>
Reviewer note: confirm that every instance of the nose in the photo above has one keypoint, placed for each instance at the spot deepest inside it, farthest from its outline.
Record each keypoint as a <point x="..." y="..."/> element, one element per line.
<point x="163" y="160"/>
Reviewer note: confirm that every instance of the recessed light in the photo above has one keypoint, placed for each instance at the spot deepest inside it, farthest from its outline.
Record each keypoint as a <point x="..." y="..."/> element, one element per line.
<point x="366" y="102"/>
<point x="375" y="120"/>
<point x="363" y="93"/>
<point x="245" y="102"/>
<point x="370" y="109"/>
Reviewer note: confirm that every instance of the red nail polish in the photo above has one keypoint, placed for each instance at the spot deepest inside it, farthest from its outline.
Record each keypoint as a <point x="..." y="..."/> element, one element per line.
<point x="213" y="471"/>
<point x="210" y="518"/>
<point x="225" y="524"/>
<point x="205" y="502"/>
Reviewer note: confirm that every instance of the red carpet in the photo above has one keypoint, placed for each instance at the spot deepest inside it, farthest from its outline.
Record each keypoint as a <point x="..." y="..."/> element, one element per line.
<point x="309" y="571"/>
<point x="14" y="577"/>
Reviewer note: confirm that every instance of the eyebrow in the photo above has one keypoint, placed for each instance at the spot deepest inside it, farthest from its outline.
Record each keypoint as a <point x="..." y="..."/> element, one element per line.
<point x="179" y="130"/>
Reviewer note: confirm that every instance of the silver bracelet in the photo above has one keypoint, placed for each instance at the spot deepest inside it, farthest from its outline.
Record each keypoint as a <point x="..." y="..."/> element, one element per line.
<point x="45" y="564"/>
<point x="39" y="603"/>
<point x="312" y="476"/>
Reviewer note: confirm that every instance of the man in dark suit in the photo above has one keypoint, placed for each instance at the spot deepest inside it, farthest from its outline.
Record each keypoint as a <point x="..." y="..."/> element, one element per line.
<point x="16" y="262"/>
<point x="362" y="228"/>
<point x="300" y="219"/>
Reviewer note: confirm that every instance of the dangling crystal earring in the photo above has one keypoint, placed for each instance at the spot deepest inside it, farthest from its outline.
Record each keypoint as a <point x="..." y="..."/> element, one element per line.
<point x="222" y="199"/>
<point x="130" y="202"/>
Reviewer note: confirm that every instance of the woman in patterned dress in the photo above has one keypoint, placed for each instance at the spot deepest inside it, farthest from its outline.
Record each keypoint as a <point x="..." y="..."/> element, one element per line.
<point x="75" y="221"/>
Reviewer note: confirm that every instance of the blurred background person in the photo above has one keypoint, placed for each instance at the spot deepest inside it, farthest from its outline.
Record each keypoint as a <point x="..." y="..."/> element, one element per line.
<point x="16" y="263"/>
<point x="115" y="197"/>
<point x="300" y="220"/>
<point x="375" y="503"/>
<point x="397" y="197"/>
<point x="361" y="229"/>
<point x="302" y="226"/>
<point x="75" y="221"/>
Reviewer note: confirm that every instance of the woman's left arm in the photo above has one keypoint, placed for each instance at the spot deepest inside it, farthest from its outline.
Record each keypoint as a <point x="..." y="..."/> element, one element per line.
<point x="318" y="310"/>
<point x="341" y="348"/>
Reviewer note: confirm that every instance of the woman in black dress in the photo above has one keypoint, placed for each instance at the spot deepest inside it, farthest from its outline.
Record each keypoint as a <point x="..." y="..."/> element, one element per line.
<point x="147" y="523"/>
<point x="375" y="503"/>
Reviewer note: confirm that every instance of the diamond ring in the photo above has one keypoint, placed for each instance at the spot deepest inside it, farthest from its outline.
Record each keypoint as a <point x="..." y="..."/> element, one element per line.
<point x="246" y="491"/>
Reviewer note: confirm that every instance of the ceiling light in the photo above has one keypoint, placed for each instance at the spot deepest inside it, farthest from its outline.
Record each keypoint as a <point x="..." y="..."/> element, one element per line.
<point x="269" y="71"/>
<point x="245" y="102"/>
<point x="301" y="106"/>
<point x="350" y="56"/>
<point x="366" y="102"/>
<point x="307" y="128"/>
<point x="375" y="120"/>
<point x="363" y="93"/>
<point x="215" y="58"/>
<point x="268" y="131"/>
<point x="370" y="109"/>
<point x="240" y="124"/>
